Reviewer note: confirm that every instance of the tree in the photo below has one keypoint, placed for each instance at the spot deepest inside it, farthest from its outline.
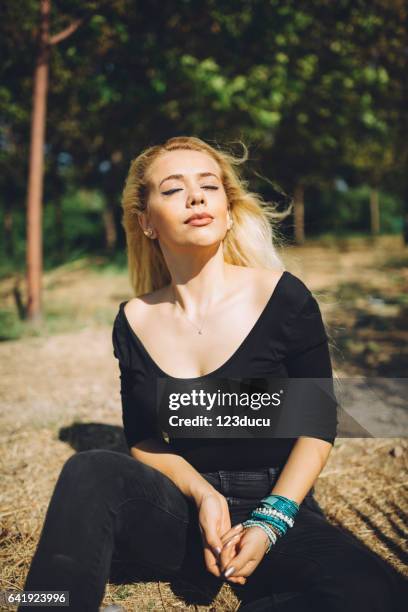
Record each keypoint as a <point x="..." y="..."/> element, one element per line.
<point x="36" y="163"/>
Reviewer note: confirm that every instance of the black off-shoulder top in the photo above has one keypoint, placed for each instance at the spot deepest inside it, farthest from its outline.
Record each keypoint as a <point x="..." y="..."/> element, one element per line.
<point x="287" y="340"/>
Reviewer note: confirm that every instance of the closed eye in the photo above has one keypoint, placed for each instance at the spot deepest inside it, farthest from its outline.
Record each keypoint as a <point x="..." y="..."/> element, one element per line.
<point x="174" y="190"/>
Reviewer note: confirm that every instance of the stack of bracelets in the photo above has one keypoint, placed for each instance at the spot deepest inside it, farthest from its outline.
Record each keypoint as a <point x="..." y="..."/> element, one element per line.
<point x="275" y="514"/>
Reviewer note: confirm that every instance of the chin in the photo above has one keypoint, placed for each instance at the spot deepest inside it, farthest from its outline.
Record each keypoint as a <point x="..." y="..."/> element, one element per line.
<point x="205" y="241"/>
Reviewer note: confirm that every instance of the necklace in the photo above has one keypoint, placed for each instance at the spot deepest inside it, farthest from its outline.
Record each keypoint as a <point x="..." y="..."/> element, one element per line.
<point x="200" y="328"/>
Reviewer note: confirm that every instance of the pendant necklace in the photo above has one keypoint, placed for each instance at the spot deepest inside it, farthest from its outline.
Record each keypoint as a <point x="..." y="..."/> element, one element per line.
<point x="199" y="328"/>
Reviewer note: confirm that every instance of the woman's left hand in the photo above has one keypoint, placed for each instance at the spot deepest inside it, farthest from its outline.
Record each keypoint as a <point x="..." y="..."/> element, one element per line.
<point x="243" y="551"/>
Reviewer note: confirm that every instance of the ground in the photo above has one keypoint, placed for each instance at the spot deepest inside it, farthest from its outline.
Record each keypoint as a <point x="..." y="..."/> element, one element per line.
<point x="60" y="394"/>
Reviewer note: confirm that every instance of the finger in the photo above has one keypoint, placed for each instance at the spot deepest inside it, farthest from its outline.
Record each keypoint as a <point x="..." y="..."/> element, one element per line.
<point x="232" y="540"/>
<point x="225" y="524"/>
<point x="211" y="563"/>
<point x="242" y="572"/>
<point x="247" y="553"/>
<point x="229" y="551"/>
<point x="211" y="558"/>
<point x="246" y="570"/>
<point x="211" y="541"/>
<point x="237" y="579"/>
<point x="235" y="537"/>
<point x="231" y="532"/>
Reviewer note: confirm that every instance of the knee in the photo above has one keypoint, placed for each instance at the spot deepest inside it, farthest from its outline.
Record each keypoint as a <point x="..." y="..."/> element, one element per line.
<point x="371" y="582"/>
<point x="101" y="469"/>
<point x="89" y="460"/>
<point x="90" y="470"/>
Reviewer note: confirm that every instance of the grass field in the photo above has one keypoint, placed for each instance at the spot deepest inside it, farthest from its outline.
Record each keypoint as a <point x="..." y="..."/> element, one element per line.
<point x="60" y="394"/>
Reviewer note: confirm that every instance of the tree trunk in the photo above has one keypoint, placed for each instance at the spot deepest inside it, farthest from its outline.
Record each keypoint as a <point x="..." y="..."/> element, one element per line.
<point x="110" y="228"/>
<point x="36" y="169"/>
<point x="299" y="213"/>
<point x="374" y="212"/>
<point x="9" y="250"/>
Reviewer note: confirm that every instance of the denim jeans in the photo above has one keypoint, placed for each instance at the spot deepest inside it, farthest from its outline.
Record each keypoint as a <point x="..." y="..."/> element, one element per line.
<point x="107" y="505"/>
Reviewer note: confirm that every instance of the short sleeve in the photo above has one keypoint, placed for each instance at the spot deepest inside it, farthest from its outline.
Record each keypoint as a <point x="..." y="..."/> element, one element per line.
<point x="308" y="353"/>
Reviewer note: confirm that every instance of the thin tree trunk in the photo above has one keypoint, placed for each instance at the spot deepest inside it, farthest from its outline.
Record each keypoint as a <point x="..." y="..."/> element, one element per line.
<point x="36" y="169"/>
<point x="9" y="250"/>
<point x="110" y="228"/>
<point x="374" y="212"/>
<point x="299" y="213"/>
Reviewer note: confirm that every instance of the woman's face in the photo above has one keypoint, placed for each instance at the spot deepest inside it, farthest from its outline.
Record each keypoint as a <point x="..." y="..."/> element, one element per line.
<point x="183" y="183"/>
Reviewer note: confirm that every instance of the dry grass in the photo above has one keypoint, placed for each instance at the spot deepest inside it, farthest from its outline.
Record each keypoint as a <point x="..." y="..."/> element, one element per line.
<point x="53" y="381"/>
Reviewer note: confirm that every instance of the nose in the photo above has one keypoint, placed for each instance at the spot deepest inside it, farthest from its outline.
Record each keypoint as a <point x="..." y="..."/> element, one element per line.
<point x="198" y="201"/>
<point x="197" y="197"/>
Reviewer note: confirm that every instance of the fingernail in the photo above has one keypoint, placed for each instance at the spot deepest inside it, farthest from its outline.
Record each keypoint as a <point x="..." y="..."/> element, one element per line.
<point x="229" y="571"/>
<point x="238" y="526"/>
<point x="218" y="550"/>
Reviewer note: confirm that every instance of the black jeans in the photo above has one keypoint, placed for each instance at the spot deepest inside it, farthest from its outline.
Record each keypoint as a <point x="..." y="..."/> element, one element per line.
<point x="108" y="505"/>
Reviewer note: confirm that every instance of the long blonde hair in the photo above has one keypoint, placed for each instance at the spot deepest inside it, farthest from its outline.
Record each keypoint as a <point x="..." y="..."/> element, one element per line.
<point x="250" y="242"/>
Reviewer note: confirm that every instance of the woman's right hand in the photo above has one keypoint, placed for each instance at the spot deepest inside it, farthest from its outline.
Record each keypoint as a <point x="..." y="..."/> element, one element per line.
<point x="214" y="521"/>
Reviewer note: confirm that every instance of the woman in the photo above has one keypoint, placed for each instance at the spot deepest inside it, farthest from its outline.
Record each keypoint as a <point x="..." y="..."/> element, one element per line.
<point x="212" y="300"/>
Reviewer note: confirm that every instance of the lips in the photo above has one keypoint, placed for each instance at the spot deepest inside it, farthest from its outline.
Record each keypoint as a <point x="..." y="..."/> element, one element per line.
<point x="199" y="222"/>
<point x="203" y="216"/>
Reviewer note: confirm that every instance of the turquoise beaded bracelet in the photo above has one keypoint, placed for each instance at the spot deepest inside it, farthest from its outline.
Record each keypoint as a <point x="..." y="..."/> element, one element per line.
<point x="277" y="511"/>
<point x="271" y="533"/>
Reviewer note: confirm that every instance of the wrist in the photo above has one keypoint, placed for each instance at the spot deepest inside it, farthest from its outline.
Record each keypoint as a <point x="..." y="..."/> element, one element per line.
<point x="270" y="533"/>
<point x="200" y="490"/>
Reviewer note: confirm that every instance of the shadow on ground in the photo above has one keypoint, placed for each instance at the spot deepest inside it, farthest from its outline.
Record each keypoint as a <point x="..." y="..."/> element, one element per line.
<point x="87" y="436"/>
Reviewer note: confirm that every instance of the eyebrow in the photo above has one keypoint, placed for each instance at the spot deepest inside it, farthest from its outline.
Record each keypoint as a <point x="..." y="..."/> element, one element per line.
<point x="181" y="176"/>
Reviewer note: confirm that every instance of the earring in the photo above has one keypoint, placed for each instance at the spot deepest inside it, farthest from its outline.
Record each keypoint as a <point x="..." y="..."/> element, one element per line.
<point x="148" y="232"/>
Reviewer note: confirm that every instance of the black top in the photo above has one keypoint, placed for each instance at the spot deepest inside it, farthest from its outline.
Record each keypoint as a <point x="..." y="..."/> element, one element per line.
<point x="287" y="340"/>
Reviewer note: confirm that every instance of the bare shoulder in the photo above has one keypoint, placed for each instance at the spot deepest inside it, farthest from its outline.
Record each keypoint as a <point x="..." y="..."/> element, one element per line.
<point x="253" y="285"/>
<point x="136" y="307"/>
<point x="269" y="277"/>
<point x="262" y="279"/>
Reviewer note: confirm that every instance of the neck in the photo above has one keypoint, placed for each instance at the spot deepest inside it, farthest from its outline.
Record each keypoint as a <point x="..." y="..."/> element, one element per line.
<point x="198" y="285"/>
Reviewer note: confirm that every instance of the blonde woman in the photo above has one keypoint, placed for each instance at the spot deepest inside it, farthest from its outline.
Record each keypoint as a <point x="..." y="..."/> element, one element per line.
<point x="212" y="300"/>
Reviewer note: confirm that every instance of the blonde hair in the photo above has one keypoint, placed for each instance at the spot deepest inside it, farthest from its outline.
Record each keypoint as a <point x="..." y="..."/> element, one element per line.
<point x="250" y="242"/>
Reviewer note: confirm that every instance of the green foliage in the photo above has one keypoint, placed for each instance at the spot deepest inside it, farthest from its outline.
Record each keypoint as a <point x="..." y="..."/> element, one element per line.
<point x="11" y="328"/>
<point x="317" y="88"/>
<point x="348" y="211"/>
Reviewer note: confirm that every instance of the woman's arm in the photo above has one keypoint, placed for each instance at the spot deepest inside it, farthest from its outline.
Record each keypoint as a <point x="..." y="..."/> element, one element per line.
<point x="142" y="438"/>
<point x="302" y="468"/>
<point x="156" y="453"/>
<point x="309" y="357"/>
<point x="308" y="455"/>
<point x="213" y="513"/>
